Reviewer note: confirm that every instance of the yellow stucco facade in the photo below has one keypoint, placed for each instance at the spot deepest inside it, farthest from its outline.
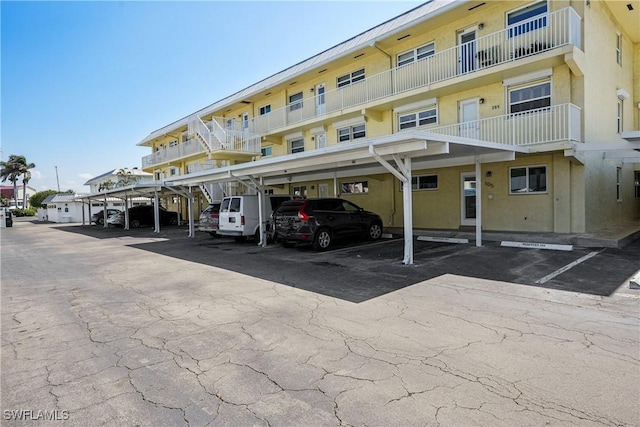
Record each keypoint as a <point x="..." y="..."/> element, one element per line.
<point x="555" y="77"/>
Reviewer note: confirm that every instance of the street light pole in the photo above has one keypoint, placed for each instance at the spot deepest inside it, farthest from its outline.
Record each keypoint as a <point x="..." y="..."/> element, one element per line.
<point x="57" y="179"/>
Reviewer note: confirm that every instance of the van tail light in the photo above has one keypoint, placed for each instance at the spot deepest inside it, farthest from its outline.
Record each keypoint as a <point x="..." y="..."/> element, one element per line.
<point x="302" y="214"/>
<point x="242" y="220"/>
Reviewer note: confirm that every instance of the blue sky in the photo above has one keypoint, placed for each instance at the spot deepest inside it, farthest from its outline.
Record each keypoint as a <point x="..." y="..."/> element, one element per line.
<point x="84" y="82"/>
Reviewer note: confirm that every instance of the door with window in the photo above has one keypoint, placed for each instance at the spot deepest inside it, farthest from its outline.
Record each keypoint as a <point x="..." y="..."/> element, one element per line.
<point x="468" y="198"/>
<point x="469" y="125"/>
<point x="321" y="140"/>
<point x="320" y="100"/>
<point x="467" y="50"/>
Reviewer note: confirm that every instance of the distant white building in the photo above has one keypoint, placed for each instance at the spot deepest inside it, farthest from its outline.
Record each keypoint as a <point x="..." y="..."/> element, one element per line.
<point x="64" y="208"/>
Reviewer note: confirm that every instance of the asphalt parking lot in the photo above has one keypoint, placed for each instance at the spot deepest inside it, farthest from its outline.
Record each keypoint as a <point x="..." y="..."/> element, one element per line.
<point x="361" y="270"/>
<point x="113" y="327"/>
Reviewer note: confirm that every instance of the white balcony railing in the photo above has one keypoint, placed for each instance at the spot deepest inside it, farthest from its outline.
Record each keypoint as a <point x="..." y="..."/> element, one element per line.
<point x="181" y="150"/>
<point x="551" y="124"/>
<point x="221" y="134"/>
<point x="537" y="35"/>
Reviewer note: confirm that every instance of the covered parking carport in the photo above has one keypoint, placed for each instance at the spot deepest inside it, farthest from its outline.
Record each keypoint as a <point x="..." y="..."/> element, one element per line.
<point x="150" y="191"/>
<point x="397" y="154"/>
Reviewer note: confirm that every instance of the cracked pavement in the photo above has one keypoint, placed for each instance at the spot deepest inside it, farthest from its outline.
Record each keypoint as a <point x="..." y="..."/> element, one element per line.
<point x="119" y="336"/>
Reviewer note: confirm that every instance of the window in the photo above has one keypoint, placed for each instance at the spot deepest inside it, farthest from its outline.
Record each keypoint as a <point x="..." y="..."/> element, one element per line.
<point x="351" y="78"/>
<point x="636" y="178"/>
<point x="297" y="146"/>
<point x="619" y="48"/>
<point x="264" y="110"/>
<point x="530" y="97"/>
<point x="266" y="151"/>
<point x="619" y="115"/>
<point x="352" y="132"/>
<point x="424" y="182"/>
<point x="295" y="101"/>
<point x="419" y="118"/>
<point x="416" y="54"/>
<point x="618" y="184"/>
<point x="355" y="187"/>
<point x="173" y="171"/>
<point x="529" y="18"/>
<point x="300" y="191"/>
<point x="529" y="179"/>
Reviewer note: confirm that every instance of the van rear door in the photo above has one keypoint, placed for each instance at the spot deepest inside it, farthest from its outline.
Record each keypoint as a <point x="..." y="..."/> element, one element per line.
<point x="230" y="218"/>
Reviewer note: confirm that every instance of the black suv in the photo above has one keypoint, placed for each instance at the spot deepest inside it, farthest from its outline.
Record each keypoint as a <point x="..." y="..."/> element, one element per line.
<point x="320" y="221"/>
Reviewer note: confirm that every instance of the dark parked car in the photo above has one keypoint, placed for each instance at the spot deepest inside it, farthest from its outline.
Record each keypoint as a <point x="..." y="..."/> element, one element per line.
<point x="143" y="215"/>
<point x="320" y="221"/>
<point x="209" y="219"/>
<point x="98" y="217"/>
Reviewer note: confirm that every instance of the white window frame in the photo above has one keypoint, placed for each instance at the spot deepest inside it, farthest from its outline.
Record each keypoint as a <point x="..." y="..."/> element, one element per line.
<point x="351" y="78"/>
<point x="416" y="54"/>
<point x="620" y="115"/>
<point x="619" y="48"/>
<point x="267" y="151"/>
<point x="299" y="149"/>
<point x="299" y="190"/>
<point x="350" y="186"/>
<point x="530" y="85"/>
<point x="265" y="109"/>
<point x="619" y="184"/>
<point x="352" y="132"/>
<point x="414" y="117"/>
<point x="532" y="23"/>
<point x="527" y="177"/>
<point x="296" y="103"/>
<point x="173" y="171"/>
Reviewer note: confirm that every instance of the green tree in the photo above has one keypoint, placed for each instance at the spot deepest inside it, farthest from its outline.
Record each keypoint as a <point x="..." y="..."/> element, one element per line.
<point x="35" y="201"/>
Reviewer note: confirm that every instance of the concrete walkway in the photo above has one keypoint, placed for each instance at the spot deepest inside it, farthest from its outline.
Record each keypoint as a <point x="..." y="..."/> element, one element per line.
<point x="99" y="333"/>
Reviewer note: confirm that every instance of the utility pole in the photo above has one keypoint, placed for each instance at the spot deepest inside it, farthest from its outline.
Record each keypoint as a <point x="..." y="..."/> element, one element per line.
<point x="57" y="179"/>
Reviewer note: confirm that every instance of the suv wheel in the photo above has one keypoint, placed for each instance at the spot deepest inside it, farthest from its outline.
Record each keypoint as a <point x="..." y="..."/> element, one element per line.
<point x="375" y="231"/>
<point x="173" y="220"/>
<point x="322" y="240"/>
<point x="100" y="221"/>
<point x="135" y="223"/>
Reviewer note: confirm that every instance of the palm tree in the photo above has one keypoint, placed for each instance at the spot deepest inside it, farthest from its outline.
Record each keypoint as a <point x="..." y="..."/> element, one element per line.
<point x="12" y="169"/>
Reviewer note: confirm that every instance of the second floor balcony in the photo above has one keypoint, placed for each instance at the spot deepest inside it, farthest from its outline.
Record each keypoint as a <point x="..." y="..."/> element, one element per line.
<point x="178" y="151"/>
<point x="528" y="38"/>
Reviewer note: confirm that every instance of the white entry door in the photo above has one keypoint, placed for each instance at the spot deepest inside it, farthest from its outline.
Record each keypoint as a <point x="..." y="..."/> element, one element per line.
<point x="467" y="50"/>
<point x="469" y="125"/>
<point x="468" y="198"/>
<point x="321" y="140"/>
<point x="320" y="100"/>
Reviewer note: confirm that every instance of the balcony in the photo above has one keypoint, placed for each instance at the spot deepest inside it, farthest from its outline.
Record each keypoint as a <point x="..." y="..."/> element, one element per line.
<point x="179" y="151"/>
<point x="554" y="124"/>
<point x="533" y="37"/>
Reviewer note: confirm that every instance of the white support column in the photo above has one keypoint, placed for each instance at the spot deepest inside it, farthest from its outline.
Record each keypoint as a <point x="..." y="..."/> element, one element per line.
<point x="156" y="212"/>
<point x="104" y="212"/>
<point x="478" y="202"/>
<point x="335" y="185"/>
<point x="408" y="213"/>
<point x="126" y="212"/>
<point x="190" y="213"/>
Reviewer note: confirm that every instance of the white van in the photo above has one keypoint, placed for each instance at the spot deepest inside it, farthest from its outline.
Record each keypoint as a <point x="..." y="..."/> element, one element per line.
<point x="239" y="216"/>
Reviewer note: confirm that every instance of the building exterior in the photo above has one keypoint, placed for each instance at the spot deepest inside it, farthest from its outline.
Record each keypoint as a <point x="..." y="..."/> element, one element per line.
<point x="503" y="115"/>
<point x="64" y="208"/>
<point x="7" y="193"/>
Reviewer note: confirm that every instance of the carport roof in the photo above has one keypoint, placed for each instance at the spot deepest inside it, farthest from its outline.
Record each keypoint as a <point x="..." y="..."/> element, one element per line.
<point x="427" y="150"/>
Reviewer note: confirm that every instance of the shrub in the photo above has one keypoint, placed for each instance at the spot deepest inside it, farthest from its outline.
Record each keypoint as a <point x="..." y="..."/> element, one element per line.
<point x="23" y="212"/>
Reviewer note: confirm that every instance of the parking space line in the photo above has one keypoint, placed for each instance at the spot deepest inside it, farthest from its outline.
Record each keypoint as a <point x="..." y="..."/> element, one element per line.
<point x="380" y="242"/>
<point x="569" y="266"/>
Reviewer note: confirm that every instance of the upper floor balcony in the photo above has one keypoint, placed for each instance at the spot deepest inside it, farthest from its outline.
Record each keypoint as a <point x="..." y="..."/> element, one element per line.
<point x="174" y="152"/>
<point x="535" y="36"/>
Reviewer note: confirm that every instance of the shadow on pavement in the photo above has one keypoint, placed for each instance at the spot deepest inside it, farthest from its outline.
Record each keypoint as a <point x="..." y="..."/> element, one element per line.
<point x="359" y="271"/>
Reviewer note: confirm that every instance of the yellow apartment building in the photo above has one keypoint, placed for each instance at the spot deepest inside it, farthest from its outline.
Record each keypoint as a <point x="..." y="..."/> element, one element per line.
<point x="503" y="115"/>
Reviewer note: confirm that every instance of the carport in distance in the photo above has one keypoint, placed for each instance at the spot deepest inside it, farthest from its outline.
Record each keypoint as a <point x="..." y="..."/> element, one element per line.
<point x="143" y="215"/>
